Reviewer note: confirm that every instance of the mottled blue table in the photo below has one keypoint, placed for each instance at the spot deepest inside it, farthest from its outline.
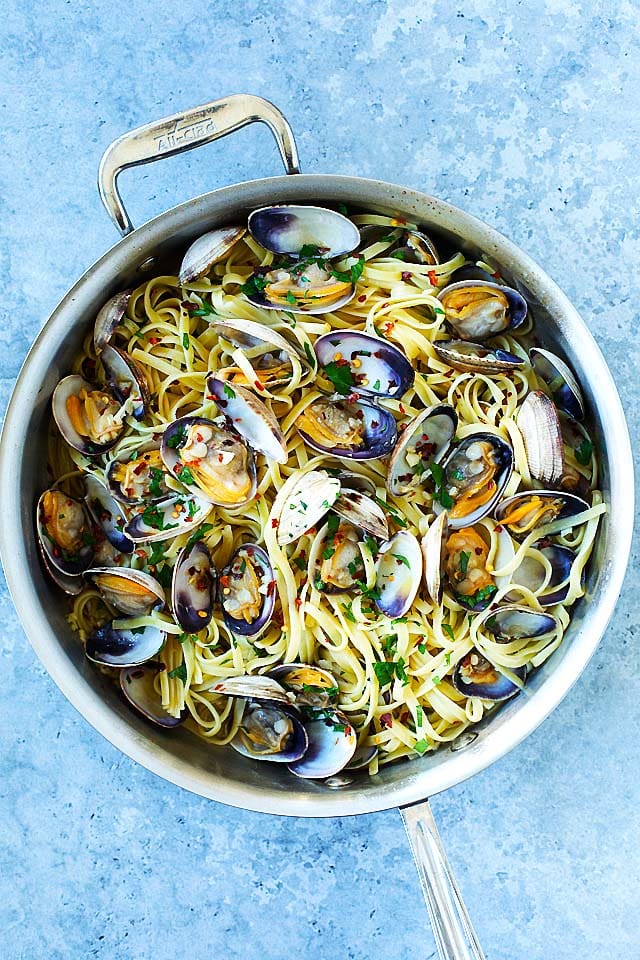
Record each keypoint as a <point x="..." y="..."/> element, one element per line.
<point x="525" y="114"/>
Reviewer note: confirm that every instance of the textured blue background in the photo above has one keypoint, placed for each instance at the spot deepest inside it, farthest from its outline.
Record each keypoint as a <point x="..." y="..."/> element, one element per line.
<point x="528" y="117"/>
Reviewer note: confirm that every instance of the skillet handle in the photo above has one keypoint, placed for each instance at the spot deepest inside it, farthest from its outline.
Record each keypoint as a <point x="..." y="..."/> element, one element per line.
<point x="184" y="131"/>
<point x="452" y="928"/>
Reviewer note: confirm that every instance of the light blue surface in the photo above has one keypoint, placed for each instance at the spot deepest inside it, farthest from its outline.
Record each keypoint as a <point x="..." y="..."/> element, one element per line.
<point x="526" y="115"/>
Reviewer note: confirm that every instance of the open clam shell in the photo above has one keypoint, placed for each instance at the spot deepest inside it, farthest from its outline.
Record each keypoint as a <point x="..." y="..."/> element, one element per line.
<point x="562" y="384"/>
<point x="466" y="567"/>
<point x="362" y="512"/>
<point x="475" y="676"/>
<point x="287" y="228"/>
<point x="126" y="379"/>
<point x="398" y="574"/>
<point x="193" y="587"/>
<point x="479" y="309"/>
<point x="208" y="249"/>
<point x="358" y="362"/>
<point x="107" y="513"/>
<point x="531" y="574"/>
<point x="423" y="441"/>
<point x="132" y="592"/>
<point x="539" y="425"/>
<point x="476" y="358"/>
<point x="531" y="509"/>
<point x="273" y="358"/>
<point x="248" y="591"/>
<point x="433" y="554"/>
<point x="138" y="687"/>
<point x="168" y="519"/>
<point x="332" y="744"/>
<point x="108" y="319"/>
<point x="124" y="647"/>
<point x="299" y="289"/>
<point x="515" y="622"/>
<point x="250" y="417"/>
<point x="138" y="476"/>
<point x="269" y="731"/>
<point x="418" y="247"/>
<point x="311" y="686"/>
<point x="71" y="584"/>
<point x="88" y="417"/>
<point x="211" y="459"/>
<point x="64" y="533"/>
<point x="253" y="687"/>
<point x="346" y="428"/>
<point x="310" y="498"/>
<point x="475" y="473"/>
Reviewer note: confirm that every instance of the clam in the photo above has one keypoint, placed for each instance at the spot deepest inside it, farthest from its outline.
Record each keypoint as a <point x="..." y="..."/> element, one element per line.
<point x="210" y="458"/>
<point x="71" y="584"/>
<point x="476" y="358"/>
<point x="417" y="247"/>
<point x="515" y="622"/>
<point x="398" y="574"/>
<point x="300" y="286"/>
<point x="270" y="732"/>
<point x="108" y="319"/>
<point x="433" y="555"/>
<point x="360" y="363"/>
<point x="562" y="384"/>
<point x="311" y="686"/>
<point x="138" y="475"/>
<point x="107" y="513"/>
<point x="126" y="379"/>
<point x="423" y="441"/>
<point x="123" y="647"/>
<point x="529" y="510"/>
<point x="363" y="512"/>
<point x="208" y="249"/>
<point x="249" y="417"/>
<point x="166" y="520"/>
<point x="479" y="309"/>
<point x="465" y="564"/>
<point x="336" y="560"/>
<point x="288" y="229"/>
<point x="308" y="500"/>
<point x="474" y="474"/>
<point x="132" y="592"/>
<point x="332" y="744"/>
<point x="362" y="757"/>
<point x="347" y="428"/>
<point x="138" y="687"/>
<point x="253" y="687"/>
<point x="475" y="676"/>
<point x="531" y="573"/>
<point x="193" y="587"/>
<point x="64" y="533"/>
<point x="248" y="591"/>
<point x="351" y="480"/>
<point x="540" y="428"/>
<point x="89" y="418"/>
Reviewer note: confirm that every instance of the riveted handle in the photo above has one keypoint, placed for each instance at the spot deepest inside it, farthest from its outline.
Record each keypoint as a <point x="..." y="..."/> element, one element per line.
<point x="452" y="928"/>
<point x="185" y="131"/>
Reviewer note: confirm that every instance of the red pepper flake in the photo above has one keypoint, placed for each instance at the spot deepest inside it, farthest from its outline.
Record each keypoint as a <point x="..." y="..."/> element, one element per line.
<point x="140" y="553"/>
<point x="298" y="602"/>
<point x="386" y="720"/>
<point x="271" y="586"/>
<point x="433" y="278"/>
<point x="401" y="409"/>
<point x="362" y="298"/>
<point x="274" y="523"/>
<point x="499" y="528"/>
<point x="406" y="275"/>
<point x="258" y="385"/>
<point x="211" y="397"/>
<point x="224" y="580"/>
<point x="154" y="340"/>
<point x="399" y="222"/>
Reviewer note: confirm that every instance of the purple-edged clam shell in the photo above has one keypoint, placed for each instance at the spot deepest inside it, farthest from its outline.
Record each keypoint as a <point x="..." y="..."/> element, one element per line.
<point x="68" y="387"/>
<point x="312" y="686"/>
<point x="362" y="512"/>
<point x="287" y="228"/>
<point x="109" y="317"/>
<point x="398" y="574"/>
<point x="118" y="587"/>
<point x="71" y="584"/>
<point x="471" y="271"/>
<point x="493" y="686"/>
<point x="255" y="555"/>
<point x="115" y="488"/>
<point x="332" y="744"/>
<point x="123" y="647"/>
<point x="107" y="513"/>
<point x="207" y="250"/>
<point x="425" y="439"/>
<point x="137" y="684"/>
<point x="126" y="379"/>
<point x="379" y="433"/>
<point x="250" y="417"/>
<point x="157" y="521"/>
<point x="565" y="392"/>
<point x="255" y="686"/>
<point x="193" y="587"/>
<point x="483" y="323"/>
<point x="68" y="564"/>
<point x="270" y="716"/>
<point x="530" y="573"/>
<point x="561" y="506"/>
<point x="515" y="622"/>
<point x="460" y="458"/>
<point x="472" y="357"/>
<point x="378" y="367"/>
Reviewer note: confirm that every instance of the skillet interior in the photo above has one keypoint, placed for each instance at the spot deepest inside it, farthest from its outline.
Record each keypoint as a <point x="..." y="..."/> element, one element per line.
<point x="180" y="756"/>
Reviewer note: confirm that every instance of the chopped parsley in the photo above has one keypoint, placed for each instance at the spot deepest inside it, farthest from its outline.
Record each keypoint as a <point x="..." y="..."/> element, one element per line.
<point x="372" y="547"/>
<point x="206" y="310"/>
<point x="464" y="562"/>
<point x="229" y="393"/>
<point x="389" y="643"/>
<point x="175" y="439"/>
<point x="333" y="523"/>
<point x="352" y="275"/>
<point x="253" y="286"/>
<point x="439" y="480"/>
<point x="584" y="452"/>
<point x="421" y="746"/>
<point x="200" y="532"/>
<point x="155" y="484"/>
<point x="310" y="355"/>
<point x="385" y="671"/>
<point x="183" y="637"/>
<point x="328" y="552"/>
<point x="448" y="629"/>
<point x="422" y="648"/>
<point x="153" y="517"/>
<point x="398" y="255"/>
<point x="185" y="341"/>
<point x="340" y="375"/>
<point x="164" y="577"/>
<point x="348" y="612"/>
<point x="394" y="513"/>
<point x="180" y="673"/>
<point x="475" y="598"/>
<point x="399" y="557"/>
<point x="290" y="297"/>
<point x="418" y="716"/>
<point x="300" y="563"/>
<point x="184" y="475"/>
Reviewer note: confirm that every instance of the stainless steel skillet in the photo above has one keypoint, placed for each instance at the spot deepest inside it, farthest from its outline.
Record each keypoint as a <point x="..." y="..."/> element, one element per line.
<point x="181" y="757"/>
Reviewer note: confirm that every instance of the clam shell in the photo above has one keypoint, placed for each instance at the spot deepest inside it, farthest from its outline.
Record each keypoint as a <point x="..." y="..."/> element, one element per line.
<point x="126" y="379"/>
<point x="378" y="367"/>
<point x="311" y="686"/>
<point x="115" y="486"/>
<point x="515" y="622"/>
<point x="252" y="687"/>
<point x="501" y="688"/>
<point x="193" y="587"/>
<point x="379" y="433"/>
<point x="287" y="228"/>
<point x="398" y="574"/>
<point x="566" y="506"/>
<point x="137" y="685"/>
<point x="565" y="391"/>
<point x="107" y="513"/>
<point x="156" y="522"/>
<point x="483" y="327"/>
<point x="476" y="358"/>
<point x="332" y="744"/>
<point x="530" y="573"/>
<point x="540" y="428"/>
<point x="131" y="606"/>
<point x="250" y="417"/>
<point x="109" y="317"/>
<point x="419" y="248"/>
<point x="438" y="425"/>
<point x="314" y="302"/>
<point x="68" y="387"/>
<point x="53" y="556"/>
<point x="295" y="748"/>
<point x="309" y="499"/>
<point x="471" y="271"/>
<point x="123" y="648"/>
<point x="504" y="456"/>
<point x="260" y="560"/>
<point x="362" y="512"/>
<point x="71" y="584"/>
<point x="207" y="250"/>
<point x="433" y="551"/>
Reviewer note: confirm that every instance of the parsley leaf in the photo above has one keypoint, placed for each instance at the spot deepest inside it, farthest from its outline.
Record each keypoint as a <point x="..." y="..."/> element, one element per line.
<point x="180" y="673"/>
<point x="199" y="532"/>
<point x="464" y="562"/>
<point x="386" y="670"/>
<point x="229" y="393"/>
<point x="175" y="439"/>
<point x="401" y="559"/>
<point x="340" y="375"/>
<point x="421" y="746"/>
<point x="439" y="479"/>
<point x="184" y="475"/>
<point x="253" y="286"/>
<point x="185" y="341"/>
<point x="155" y="484"/>
<point x="584" y="452"/>
<point x="448" y="629"/>
<point x="346" y="609"/>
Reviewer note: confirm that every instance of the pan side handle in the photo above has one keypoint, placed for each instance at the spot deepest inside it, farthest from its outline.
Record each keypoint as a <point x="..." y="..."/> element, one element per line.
<point x="452" y="928"/>
<point x="185" y="131"/>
